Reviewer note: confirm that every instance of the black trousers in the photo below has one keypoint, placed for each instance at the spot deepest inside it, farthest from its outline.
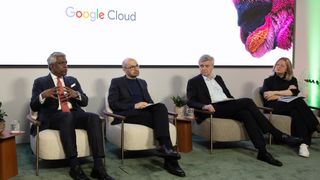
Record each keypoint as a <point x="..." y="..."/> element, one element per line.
<point x="303" y="121"/>
<point x="246" y="111"/>
<point x="67" y="122"/>
<point x="155" y="117"/>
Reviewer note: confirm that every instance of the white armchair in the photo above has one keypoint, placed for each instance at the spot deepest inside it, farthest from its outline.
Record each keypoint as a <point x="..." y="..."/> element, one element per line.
<point x="219" y="129"/>
<point x="132" y="137"/>
<point x="46" y="144"/>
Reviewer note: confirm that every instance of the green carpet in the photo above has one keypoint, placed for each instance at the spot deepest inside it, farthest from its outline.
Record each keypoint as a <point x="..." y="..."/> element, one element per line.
<point x="236" y="160"/>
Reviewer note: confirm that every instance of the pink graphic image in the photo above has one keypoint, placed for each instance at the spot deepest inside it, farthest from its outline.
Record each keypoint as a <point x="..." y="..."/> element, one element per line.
<point x="265" y="24"/>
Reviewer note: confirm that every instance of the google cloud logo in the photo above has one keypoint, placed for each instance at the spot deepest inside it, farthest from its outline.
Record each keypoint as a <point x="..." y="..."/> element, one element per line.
<point x="97" y="14"/>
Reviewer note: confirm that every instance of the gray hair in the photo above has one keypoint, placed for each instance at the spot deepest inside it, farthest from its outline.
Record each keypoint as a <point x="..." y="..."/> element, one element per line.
<point x="125" y="62"/>
<point x="53" y="57"/>
<point x="205" y="58"/>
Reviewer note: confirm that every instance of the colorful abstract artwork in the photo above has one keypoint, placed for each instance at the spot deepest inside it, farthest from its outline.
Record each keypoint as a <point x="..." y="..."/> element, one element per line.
<point x="265" y="25"/>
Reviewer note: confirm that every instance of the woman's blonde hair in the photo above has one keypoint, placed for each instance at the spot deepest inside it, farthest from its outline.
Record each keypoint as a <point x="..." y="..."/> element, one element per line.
<point x="289" y="69"/>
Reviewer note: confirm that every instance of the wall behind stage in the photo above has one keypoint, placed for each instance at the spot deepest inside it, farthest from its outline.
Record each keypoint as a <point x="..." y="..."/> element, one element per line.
<point x="16" y="83"/>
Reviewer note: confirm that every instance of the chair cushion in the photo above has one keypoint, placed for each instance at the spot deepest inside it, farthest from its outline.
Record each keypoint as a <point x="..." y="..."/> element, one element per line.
<point x="136" y="137"/>
<point x="222" y="130"/>
<point x="283" y="123"/>
<point x="51" y="147"/>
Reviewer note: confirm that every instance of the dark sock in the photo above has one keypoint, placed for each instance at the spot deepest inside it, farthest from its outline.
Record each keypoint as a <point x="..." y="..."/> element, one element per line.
<point x="165" y="141"/>
<point x="262" y="151"/>
<point x="74" y="162"/>
<point x="97" y="163"/>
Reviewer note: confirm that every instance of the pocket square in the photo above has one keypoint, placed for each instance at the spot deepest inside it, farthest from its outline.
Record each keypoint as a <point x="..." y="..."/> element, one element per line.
<point x="73" y="85"/>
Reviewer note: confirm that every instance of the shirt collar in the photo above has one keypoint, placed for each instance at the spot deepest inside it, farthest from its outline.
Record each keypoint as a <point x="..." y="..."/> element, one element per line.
<point x="53" y="76"/>
<point x="207" y="79"/>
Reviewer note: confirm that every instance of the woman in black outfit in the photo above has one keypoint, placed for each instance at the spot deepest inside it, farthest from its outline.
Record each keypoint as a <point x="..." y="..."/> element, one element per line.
<point x="283" y="83"/>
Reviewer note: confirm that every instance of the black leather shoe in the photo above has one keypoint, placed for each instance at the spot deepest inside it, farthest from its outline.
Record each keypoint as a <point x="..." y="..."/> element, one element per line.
<point x="167" y="153"/>
<point x="267" y="157"/>
<point x="291" y="141"/>
<point x="77" y="173"/>
<point x="174" y="168"/>
<point x="101" y="174"/>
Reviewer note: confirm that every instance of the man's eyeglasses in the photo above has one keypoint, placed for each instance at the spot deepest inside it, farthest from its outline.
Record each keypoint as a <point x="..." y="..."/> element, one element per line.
<point x="133" y="67"/>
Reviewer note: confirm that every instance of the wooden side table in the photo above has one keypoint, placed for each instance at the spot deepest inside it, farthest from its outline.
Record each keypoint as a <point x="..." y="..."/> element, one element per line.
<point x="8" y="155"/>
<point x="184" y="134"/>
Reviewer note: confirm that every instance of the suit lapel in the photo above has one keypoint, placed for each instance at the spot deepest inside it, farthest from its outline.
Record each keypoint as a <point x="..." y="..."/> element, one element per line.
<point x="204" y="86"/>
<point x="50" y="81"/>
<point x="67" y="83"/>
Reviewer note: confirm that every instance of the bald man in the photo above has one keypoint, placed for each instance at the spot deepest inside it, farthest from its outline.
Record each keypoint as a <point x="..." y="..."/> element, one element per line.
<point x="129" y="96"/>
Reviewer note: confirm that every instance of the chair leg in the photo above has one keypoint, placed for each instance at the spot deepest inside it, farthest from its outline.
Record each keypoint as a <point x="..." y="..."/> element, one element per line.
<point x="211" y="134"/>
<point x="103" y="141"/>
<point x="270" y="139"/>
<point x="122" y="143"/>
<point x="270" y="136"/>
<point x="37" y="152"/>
<point x="175" y="125"/>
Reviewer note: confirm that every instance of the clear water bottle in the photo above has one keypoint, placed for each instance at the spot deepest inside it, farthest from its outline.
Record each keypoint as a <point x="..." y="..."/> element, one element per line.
<point x="15" y="126"/>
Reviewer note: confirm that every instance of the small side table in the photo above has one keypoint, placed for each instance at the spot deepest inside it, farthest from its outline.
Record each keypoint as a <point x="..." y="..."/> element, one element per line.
<point x="184" y="134"/>
<point x="8" y="155"/>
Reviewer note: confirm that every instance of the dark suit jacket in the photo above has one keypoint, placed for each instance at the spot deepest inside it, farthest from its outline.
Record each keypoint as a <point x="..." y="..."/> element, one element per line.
<point x="50" y="105"/>
<point x="119" y="97"/>
<point x="198" y="93"/>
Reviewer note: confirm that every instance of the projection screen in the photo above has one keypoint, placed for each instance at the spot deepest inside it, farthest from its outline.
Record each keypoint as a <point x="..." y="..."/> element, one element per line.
<point x="156" y="33"/>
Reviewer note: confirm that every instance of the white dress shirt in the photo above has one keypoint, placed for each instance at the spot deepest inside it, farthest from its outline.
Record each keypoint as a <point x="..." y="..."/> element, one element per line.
<point x="215" y="90"/>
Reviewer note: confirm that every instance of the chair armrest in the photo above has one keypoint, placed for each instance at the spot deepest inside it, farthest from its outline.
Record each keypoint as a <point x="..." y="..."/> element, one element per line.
<point x="174" y="114"/>
<point x="122" y="118"/>
<point x="202" y="111"/>
<point x="266" y="109"/>
<point x="32" y="120"/>
<point x="316" y="108"/>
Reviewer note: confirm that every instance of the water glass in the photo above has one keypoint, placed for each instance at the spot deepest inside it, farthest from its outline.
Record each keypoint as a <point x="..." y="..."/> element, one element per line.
<point x="15" y="126"/>
<point x="189" y="112"/>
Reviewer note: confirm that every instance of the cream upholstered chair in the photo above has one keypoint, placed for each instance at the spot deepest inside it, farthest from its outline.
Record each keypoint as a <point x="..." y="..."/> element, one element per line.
<point x="281" y="122"/>
<point x="219" y="129"/>
<point x="46" y="144"/>
<point x="132" y="137"/>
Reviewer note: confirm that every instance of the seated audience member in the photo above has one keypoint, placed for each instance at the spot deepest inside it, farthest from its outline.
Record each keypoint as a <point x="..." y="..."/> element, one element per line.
<point x="58" y="99"/>
<point x="283" y="84"/>
<point x="208" y="91"/>
<point x="129" y="96"/>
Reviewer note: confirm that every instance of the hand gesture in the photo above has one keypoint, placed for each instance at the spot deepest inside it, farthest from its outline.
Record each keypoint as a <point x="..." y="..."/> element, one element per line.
<point x="50" y="93"/>
<point x="70" y="93"/>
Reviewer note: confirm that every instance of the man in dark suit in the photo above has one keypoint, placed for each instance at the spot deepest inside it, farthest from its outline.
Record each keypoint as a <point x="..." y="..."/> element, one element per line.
<point x="129" y="96"/>
<point x="208" y="91"/>
<point x="58" y="100"/>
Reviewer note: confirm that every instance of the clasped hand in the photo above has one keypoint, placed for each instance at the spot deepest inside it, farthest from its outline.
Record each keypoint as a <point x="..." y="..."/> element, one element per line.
<point x="141" y="105"/>
<point x="53" y="93"/>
